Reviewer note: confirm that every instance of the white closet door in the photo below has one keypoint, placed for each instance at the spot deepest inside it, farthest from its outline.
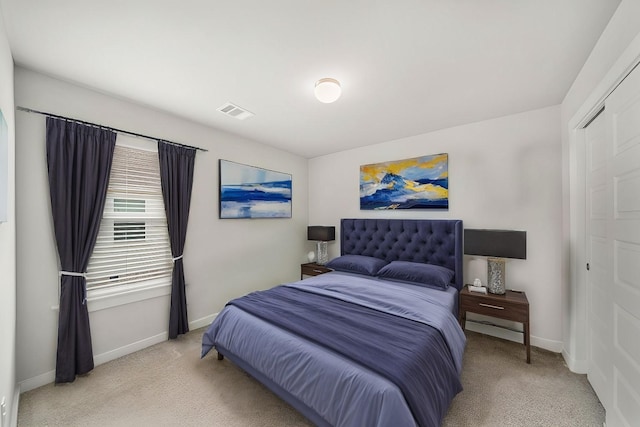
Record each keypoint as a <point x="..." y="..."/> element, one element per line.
<point x="599" y="287"/>
<point x="622" y="113"/>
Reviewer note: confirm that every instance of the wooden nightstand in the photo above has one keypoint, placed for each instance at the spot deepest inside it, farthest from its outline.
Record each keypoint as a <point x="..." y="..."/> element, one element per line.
<point x="512" y="306"/>
<point x="313" y="269"/>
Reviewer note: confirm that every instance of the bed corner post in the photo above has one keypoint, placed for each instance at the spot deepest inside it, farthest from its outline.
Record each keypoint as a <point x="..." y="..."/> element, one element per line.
<point x="220" y="356"/>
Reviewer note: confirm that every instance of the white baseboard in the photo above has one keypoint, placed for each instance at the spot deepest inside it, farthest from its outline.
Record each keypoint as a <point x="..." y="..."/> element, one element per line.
<point x="551" y="345"/>
<point x="202" y="322"/>
<point x="508" y="334"/>
<point x="13" y="422"/>
<point x="99" y="359"/>
<point x="37" y="381"/>
<point x="576" y="366"/>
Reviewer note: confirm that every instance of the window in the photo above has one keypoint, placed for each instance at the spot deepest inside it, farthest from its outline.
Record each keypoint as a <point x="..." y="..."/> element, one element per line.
<point x="128" y="230"/>
<point x="133" y="242"/>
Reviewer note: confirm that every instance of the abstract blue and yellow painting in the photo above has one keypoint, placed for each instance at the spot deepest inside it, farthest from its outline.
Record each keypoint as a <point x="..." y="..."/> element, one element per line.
<point x="417" y="183"/>
<point x="253" y="192"/>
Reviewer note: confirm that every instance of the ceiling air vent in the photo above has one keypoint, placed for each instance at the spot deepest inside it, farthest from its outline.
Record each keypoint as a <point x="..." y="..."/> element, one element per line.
<point x="234" y="111"/>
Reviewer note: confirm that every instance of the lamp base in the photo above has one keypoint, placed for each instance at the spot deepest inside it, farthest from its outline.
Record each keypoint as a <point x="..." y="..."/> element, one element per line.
<point x="496" y="276"/>
<point x="322" y="253"/>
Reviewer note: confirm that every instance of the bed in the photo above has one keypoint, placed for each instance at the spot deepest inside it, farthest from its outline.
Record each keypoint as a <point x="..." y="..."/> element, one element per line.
<point x="376" y="342"/>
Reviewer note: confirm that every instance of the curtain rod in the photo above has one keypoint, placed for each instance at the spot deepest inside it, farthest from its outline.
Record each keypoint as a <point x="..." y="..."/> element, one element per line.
<point x="29" y="110"/>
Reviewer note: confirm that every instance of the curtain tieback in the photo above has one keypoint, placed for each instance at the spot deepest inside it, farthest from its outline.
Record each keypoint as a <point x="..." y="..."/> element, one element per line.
<point x="72" y="273"/>
<point x="75" y="274"/>
<point x="177" y="258"/>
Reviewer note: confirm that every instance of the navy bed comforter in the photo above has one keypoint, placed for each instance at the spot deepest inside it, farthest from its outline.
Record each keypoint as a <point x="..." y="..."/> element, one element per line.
<point x="415" y="356"/>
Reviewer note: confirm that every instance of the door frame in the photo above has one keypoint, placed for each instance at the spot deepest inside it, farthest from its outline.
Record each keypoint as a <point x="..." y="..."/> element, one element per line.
<point x="575" y="352"/>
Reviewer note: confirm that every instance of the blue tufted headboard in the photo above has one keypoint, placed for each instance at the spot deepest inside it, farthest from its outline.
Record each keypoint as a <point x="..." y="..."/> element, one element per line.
<point x="431" y="241"/>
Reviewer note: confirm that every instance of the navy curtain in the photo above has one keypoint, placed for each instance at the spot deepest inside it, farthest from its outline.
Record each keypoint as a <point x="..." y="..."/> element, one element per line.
<point x="176" y="176"/>
<point x="79" y="161"/>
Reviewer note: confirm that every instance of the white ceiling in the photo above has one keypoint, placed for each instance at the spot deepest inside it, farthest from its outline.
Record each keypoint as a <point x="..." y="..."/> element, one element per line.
<point x="406" y="66"/>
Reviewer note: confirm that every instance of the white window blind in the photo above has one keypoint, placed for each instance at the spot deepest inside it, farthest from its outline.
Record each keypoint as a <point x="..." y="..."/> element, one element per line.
<point x="133" y="242"/>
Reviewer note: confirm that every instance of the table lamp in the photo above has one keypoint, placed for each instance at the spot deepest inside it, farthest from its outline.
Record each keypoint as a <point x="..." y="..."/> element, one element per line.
<point x="496" y="245"/>
<point x="321" y="234"/>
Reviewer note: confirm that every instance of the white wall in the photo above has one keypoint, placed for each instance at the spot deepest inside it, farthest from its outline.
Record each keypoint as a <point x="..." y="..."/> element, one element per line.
<point x="8" y="389"/>
<point x="223" y="258"/>
<point x="503" y="174"/>
<point x="617" y="49"/>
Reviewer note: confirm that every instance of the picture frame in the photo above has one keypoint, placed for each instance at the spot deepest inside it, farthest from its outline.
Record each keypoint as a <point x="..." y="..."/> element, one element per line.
<point x="415" y="183"/>
<point x="253" y="192"/>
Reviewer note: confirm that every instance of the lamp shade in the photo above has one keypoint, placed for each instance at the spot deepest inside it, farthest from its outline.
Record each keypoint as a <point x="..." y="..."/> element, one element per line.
<point x="496" y="243"/>
<point x="327" y="90"/>
<point x="321" y="233"/>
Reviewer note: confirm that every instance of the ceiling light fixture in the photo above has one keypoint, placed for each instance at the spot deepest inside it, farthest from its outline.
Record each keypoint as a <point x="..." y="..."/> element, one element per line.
<point x="327" y="90"/>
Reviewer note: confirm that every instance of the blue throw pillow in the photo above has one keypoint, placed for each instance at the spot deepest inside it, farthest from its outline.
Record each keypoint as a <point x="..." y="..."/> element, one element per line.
<point x="357" y="264"/>
<point x="417" y="273"/>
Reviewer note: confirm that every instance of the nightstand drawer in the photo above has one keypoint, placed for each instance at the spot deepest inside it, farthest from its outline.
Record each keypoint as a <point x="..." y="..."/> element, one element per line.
<point x="495" y="307"/>
<point x="313" y="269"/>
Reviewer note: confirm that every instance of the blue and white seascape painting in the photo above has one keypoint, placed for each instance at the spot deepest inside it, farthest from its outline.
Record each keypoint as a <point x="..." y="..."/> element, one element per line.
<point x="252" y="192"/>
<point x="417" y="183"/>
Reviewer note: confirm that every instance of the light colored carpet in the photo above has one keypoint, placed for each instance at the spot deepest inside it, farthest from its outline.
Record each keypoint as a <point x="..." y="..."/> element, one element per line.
<point x="169" y="385"/>
<point x="501" y="389"/>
